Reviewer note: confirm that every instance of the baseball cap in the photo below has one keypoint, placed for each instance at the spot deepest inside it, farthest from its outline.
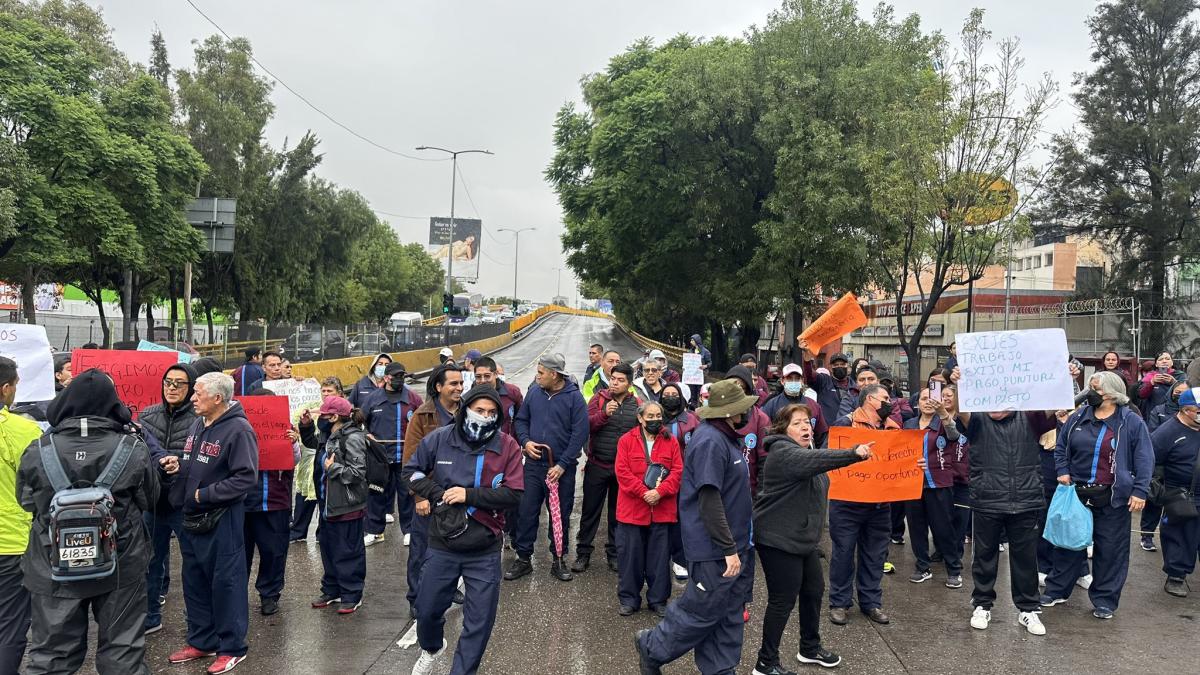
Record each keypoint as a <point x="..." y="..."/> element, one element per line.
<point x="335" y="405"/>
<point x="446" y="352"/>
<point x="792" y="369"/>
<point x="554" y="362"/>
<point x="1190" y="397"/>
<point x="840" y="357"/>
<point x="474" y="354"/>
<point x="395" y="368"/>
<point x="657" y="354"/>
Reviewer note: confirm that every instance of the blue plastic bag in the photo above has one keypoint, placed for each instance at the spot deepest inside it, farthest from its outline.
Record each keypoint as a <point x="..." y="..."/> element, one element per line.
<point x="1069" y="522"/>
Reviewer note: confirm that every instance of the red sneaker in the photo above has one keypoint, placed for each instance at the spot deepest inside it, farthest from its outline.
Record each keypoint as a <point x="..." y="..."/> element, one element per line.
<point x="349" y="609"/>
<point x="189" y="653"/>
<point x="224" y="664"/>
<point x="746" y="615"/>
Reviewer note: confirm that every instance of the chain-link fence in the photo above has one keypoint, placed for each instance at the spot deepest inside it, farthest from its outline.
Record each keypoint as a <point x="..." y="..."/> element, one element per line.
<point x="1092" y="326"/>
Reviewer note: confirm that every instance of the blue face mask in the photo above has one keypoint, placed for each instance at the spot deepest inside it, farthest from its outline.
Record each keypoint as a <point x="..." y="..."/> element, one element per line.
<point x="379" y="371"/>
<point x="793" y="389"/>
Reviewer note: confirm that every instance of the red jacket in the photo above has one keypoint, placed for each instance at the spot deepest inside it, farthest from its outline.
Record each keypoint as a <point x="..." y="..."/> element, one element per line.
<point x="631" y="466"/>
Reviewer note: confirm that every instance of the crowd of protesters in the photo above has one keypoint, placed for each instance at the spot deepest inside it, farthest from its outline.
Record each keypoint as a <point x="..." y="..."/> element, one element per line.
<point x="695" y="485"/>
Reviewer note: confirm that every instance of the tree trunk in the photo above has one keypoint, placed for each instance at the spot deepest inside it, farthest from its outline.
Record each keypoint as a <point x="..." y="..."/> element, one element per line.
<point x="212" y="331"/>
<point x="28" y="288"/>
<point x="719" y="347"/>
<point x="915" y="382"/>
<point x="173" y="298"/>
<point x="1155" y="331"/>
<point x="150" y="321"/>
<point x="748" y="340"/>
<point x="99" y="300"/>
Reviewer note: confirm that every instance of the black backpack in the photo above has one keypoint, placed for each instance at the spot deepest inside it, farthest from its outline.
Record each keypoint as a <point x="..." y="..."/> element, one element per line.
<point x="379" y="470"/>
<point x="83" y="528"/>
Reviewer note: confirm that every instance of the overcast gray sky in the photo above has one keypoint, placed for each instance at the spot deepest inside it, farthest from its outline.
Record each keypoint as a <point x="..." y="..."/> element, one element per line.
<point x="492" y="75"/>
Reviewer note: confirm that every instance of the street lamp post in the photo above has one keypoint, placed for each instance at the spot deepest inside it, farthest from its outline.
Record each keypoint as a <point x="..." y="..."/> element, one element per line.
<point x="516" y="255"/>
<point x="558" y="284"/>
<point x="453" y="184"/>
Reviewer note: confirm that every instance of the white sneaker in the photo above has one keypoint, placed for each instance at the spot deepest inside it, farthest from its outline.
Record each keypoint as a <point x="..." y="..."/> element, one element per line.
<point x="1032" y="623"/>
<point x="424" y="664"/>
<point x="1089" y="552"/>
<point x="1003" y="547"/>
<point x="1084" y="582"/>
<point x="1042" y="578"/>
<point x="980" y="618"/>
<point x="679" y="571"/>
<point x="372" y="539"/>
<point x="407" y="538"/>
<point x="389" y="518"/>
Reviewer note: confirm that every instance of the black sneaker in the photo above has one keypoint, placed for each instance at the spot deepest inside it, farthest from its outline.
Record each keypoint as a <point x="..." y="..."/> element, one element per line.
<point x="324" y="601"/>
<point x="458" y="598"/>
<point x="582" y="562"/>
<point x="558" y="570"/>
<point x="822" y="657"/>
<point x="626" y="610"/>
<point x="899" y="541"/>
<point x="645" y="665"/>
<point x="1148" y="543"/>
<point x="269" y="606"/>
<point x="519" y="568"/>
<point x="1174" y="586"/>
<point x="771" y="670"/>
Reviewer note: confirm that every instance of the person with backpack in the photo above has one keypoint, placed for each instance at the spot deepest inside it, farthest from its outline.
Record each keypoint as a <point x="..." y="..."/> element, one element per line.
<point x="218" y="469"/>
<point x="88" y="483"/>
<point x="470" y="472"/>
<point x="16" y="433"/>
<point x="249" y="376"/>
<point x="340" y="473"/>
<point x="389" y="410"/>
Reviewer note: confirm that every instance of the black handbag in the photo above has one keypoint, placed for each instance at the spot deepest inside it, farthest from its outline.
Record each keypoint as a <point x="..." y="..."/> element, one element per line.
<point x="1178" y="503"/>
<point x="655" y="473"/>
<point x="204" y="522"/>
<point x="1094" y="495"/>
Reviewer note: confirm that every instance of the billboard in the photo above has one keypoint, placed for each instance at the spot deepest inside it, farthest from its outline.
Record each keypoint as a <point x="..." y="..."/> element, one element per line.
<point x="464" y="245"/>
<point x="46" y="297"/>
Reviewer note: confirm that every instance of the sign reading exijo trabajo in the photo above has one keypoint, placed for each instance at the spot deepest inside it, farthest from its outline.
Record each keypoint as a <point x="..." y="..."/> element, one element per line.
<point x="1014" y="370"/>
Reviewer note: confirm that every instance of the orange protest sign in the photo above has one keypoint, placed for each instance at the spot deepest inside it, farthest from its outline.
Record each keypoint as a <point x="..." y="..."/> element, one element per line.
<point x="840" y="319"/>
<point x="891" y="475"/>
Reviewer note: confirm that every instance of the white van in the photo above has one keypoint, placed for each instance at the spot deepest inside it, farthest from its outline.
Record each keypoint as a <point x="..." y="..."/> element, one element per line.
<point x="405" y="319"/>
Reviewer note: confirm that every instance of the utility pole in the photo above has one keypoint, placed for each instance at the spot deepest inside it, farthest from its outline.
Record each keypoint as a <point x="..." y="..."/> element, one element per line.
<point x="453" y="184"/>
<point x="516" y="255"/>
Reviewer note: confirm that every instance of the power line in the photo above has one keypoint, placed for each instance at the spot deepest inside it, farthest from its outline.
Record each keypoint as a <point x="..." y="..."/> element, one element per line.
<point x="397" y="215"/>
<point x="463" y="179"/>
<point x="309" y="103"/>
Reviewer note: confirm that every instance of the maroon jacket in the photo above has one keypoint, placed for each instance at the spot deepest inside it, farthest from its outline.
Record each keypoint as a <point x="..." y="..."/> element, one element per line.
<point x="753" y="448"/>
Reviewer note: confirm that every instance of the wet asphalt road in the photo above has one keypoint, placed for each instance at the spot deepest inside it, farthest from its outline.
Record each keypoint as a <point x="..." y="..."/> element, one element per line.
<point x="550" y="627"/>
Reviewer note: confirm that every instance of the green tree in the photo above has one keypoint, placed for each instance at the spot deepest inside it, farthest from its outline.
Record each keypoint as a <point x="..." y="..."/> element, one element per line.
<point x="956" y="131"/>
<point x="1130" y="177"/>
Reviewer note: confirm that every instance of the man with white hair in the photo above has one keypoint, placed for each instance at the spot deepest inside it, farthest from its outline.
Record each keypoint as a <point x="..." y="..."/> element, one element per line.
<point x="218" y="468"/>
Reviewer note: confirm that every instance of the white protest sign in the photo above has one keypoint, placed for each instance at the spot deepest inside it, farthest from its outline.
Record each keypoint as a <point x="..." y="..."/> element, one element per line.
<point x="692" y="372"/>
<point x="302" y="394"/>
<point x="1014" y="370"/>
<point x="27" y="345"/>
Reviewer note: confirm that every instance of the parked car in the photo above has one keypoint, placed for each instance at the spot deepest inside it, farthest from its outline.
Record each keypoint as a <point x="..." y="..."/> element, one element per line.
<point x="307" y="345"/>
<point x="369" y="343"/>
<point x="490" y="318"/>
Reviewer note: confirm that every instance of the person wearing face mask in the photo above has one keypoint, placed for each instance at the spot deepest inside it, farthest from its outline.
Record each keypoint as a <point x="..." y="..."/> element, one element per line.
<point x="795" y="393"/>
<point x="1176" y="446"/>
<point x="611" y="413"/>
<point x="860" y="531"/>
<point x="374" y="379"/>
<point x="789" y="518"/>
<point x="443" y="391"/>
<point x="680" y="422"/>
<point x="715" y="510"/>
<point x="312" y="443"/>
<point x="831" y="388"/>
<point x="340" y="474"/>
<point x="472" y="472"/>
<point x="1103" y="450"/>
<point x="866" y="377"/>
<point x="1161" y="413"/>
<point x="645" y="509"/>
<point x="755" y="429"/>
<point x="389" y="411"/>
<point x="170" y="422"/>
<point x="934" y="511"/>
<point x="489" y="373"/>
<point x="1157" y="384"/>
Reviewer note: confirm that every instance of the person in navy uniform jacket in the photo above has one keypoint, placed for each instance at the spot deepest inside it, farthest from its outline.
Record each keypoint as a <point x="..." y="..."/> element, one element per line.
<point x="1176" y="444"/>
<point x="218" y="469"/>
<point x="471" y="474"/>
<point x="1103" y="450"/>
<point x="388" y="410"/>
<point x="934" y="511"/>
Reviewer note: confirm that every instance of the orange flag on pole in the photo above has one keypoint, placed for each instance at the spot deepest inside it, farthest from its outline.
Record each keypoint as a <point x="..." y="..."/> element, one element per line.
<point x="843" y="317"/>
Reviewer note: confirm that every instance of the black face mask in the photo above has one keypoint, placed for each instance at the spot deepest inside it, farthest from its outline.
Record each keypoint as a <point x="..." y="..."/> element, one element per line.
<point x="324" y="425"/>
<point x="1094" y="398"/>
<point x="1175" y="399"/>
<point x="885" y="410"/>
<point x="396" y="385"/>
<point x="742" y="424"/>
<point x="672" y="404"/>
<point x="653" y="427"/>
<point x="839" y="373"/>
